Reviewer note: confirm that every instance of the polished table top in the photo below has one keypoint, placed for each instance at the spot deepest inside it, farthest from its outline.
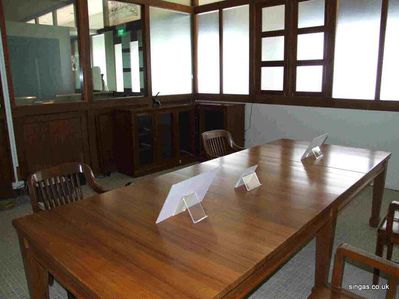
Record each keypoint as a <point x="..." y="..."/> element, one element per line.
<point x="112" y="248"/>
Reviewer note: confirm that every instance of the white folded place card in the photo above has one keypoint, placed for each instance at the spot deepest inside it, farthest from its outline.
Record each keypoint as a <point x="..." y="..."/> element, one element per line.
<point x="189" y="195"/>
<point x="314" y="147"/>
<point x="249" y="179"/>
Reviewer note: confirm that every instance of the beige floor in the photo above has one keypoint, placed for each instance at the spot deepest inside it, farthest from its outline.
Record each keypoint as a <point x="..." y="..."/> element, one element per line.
<point x="293" y="280"/>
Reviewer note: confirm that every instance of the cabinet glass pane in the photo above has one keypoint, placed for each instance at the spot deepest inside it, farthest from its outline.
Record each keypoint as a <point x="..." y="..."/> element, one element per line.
<point x="236" y="50"/>
<point x="273" y="48"/>
<point x="356" y="49"/>
<point x="208" y="53"/>
<point x="273" y="18"/>
<point x="170" y="52"/>
<point x="272" y="78"/>
<point x="146" y="139"/>
<point x="165" y="129"/>
<point x="309" y="78"/>
<point x="390" y="70"/>
<point x="185" y="133"/>
<point x="44" y="59"/>
<point x="117" y="47"/>
<point x="311" y="13"/>
<point x="311" y="46"/>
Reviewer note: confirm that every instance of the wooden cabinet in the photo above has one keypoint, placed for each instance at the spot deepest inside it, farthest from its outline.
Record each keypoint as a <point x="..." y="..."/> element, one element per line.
<point x="148" y="140"/>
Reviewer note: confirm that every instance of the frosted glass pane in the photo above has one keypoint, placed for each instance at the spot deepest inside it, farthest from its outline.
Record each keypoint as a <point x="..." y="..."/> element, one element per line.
<point x="311" y="46"/>
<point x="170" y="52"/>
<point x="119" y="68"/>
<point x="46" y="19"/>
<point x="135" y="65"/>
<point x="208" y="53"/>
<point x="273" y="48"/>
<point x="356" y="49"/>
<point x="99" y="61"/>
<point x="390" y="70"/>
<point x="96" y="15"/>
<point x="236" y="50"/>
<point x="309" y="78"/>
<point x="311" y="13"/>
<point x="273" y="18"/>
<point x="272" y="78"/>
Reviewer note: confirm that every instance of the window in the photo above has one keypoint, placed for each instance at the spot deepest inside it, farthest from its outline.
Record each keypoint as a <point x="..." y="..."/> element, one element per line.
<point x="170" y="52"/>
<point x="273" y="48"/>
<point x="310" y="46"/>
<point x="389" y="83"/>
<point x="208" y="53"/>
<point x="46" y="19"/>
<point x="356" y="49"/>
<point x="236" y="50"/>
<point x="44" y="60"/>
<point x="116" y="49"/>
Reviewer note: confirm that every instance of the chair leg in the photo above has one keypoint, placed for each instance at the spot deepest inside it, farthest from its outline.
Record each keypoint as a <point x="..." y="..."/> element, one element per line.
<point x="379" y="251"/>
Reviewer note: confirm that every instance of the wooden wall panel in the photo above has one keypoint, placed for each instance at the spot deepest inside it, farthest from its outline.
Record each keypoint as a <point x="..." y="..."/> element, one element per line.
<point x="105" y="141"/>
<point x="48" y="140"/>
<point x="6" y="172"/>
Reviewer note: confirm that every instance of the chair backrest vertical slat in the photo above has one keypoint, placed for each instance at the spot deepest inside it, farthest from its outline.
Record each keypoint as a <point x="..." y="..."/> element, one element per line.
<point x="60" y="185"/>
<point x="218" y="143"/>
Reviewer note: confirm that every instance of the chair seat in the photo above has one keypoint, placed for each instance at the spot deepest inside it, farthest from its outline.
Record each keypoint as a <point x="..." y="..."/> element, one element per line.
<point x="327" y="293"/>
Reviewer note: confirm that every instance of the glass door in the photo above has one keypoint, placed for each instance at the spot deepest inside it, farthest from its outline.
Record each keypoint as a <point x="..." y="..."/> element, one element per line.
<point x="165" y="139"/>
<point x="145" y="126"/>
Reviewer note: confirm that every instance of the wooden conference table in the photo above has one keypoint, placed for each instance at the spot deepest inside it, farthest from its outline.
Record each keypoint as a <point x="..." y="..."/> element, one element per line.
<point x="108" y="245"/>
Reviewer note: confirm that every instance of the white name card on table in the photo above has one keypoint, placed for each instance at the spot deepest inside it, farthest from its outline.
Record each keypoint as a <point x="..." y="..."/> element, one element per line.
<point x="249" y="179"/>
<point x="188" y="195"/>
<point x="314" y="147"/>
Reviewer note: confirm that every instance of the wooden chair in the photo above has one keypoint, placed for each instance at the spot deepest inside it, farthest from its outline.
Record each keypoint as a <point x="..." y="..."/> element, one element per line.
<point x="218" y="143"/>
<point x="60" y="185"/>
<point x="387" y="234"/>
<point x="57" y="186"/>
<point x="344" y="252"/>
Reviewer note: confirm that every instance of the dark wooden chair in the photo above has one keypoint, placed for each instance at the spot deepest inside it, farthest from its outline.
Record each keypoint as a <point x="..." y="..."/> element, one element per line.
<point x="60" y="185"/>
<point x="218" y="143"/>
<point x="387" y="234"/>
<point x="344" y="252"/>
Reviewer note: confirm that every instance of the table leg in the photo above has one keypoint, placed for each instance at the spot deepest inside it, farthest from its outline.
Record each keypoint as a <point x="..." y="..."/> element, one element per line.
<point x="324" y="247"/>
<point x="378" y="192"/>
<point x="36" y="274"/>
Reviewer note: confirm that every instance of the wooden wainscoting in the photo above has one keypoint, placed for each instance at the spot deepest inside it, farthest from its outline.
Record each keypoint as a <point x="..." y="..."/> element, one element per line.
<point x="6" y="173"/>
<point x="47" y="140"/>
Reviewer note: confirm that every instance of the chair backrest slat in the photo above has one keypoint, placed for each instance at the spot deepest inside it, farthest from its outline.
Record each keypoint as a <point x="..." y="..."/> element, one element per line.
<point x="60" y="185"/>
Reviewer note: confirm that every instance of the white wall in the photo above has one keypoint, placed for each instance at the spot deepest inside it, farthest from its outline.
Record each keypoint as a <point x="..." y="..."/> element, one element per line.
<point x="369" y="129"/>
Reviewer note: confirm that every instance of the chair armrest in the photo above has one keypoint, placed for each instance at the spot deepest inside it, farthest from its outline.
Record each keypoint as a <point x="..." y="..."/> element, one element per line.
<point x="237" y="147"/>
<point x="345" y="251"/>
<point x="91" y="180"/>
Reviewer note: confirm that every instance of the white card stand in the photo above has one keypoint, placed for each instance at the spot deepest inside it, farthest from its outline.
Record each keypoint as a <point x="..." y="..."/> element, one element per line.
<point x="314" y="147"/>
<point x="249" y="178"/>
<point x="194" y="207"/>
<point x="188" y="195"/>
<point x="317" y="153"/>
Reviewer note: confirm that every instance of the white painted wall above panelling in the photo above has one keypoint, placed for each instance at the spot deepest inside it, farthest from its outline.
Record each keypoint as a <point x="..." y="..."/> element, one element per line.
<point x="358" y="128"/>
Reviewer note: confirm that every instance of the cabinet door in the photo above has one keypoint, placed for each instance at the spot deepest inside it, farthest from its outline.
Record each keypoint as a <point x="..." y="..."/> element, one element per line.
<point x="145" y="143"/>
<point x="186" y="133"/>
<point x="165" y="137"/>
